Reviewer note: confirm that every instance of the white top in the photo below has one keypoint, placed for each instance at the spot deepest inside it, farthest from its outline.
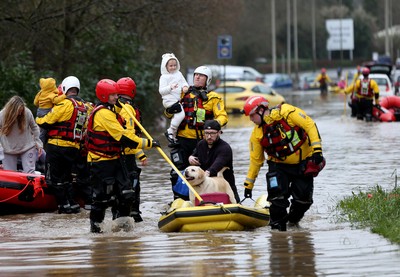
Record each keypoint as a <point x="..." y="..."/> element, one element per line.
<point x="170" y="96"/>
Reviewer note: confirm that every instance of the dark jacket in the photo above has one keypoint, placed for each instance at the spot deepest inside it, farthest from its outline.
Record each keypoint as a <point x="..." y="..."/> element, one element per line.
<point x="215" y="158"/>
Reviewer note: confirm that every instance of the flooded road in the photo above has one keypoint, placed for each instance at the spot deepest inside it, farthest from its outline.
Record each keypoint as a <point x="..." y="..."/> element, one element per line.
<point x="359" y="155"/>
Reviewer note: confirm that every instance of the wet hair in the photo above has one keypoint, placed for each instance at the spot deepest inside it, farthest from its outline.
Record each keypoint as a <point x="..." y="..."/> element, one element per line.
<point x="13" y="115"/>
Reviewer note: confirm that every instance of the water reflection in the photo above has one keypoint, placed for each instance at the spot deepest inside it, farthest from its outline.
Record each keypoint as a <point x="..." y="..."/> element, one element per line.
<point x="292" y="254"/>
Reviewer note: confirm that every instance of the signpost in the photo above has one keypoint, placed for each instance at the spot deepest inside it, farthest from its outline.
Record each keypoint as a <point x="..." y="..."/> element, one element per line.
<point x="224" y="52"/>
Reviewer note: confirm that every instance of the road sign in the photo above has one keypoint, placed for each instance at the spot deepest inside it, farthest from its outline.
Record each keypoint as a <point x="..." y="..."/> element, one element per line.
<point x="224" y="47"/>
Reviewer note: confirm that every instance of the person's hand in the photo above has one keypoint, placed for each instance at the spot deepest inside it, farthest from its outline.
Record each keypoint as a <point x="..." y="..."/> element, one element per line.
<point x="207" y="173"/>
<point x="40" y="151"/>
<point x="144" y="162"/>
<point x="194" y="160"/>
<point x="317" y="157"/>
<point x="185" y="89"/>
<point x="248" y="193"/>
<point x="155" y="143"/>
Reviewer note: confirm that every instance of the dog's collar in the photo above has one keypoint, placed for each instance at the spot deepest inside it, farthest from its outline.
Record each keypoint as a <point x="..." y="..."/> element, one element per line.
<point x="200" y="184"/>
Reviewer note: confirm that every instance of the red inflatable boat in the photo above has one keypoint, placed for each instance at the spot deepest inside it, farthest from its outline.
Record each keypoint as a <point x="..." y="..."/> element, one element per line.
<point x="24" y="193"/>
<point x="389" y="109"/>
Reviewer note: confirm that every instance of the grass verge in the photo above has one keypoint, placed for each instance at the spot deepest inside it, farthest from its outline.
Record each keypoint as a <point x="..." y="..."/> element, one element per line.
<point x="376" y="209"/>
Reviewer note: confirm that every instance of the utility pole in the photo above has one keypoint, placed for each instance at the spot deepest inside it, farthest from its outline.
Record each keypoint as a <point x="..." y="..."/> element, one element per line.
<point x="314" y="44"/>
<point x="387" y="51"/>
<point x="288" y="42"/>
<point x="273" y="36"/>
<point x="296" y="50"/>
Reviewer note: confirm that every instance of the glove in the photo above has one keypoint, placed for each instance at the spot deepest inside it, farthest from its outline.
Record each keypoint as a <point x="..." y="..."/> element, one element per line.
<point x="155" y="143"/>
<point x="317" y="158"/>
<point x="248" y="193"/>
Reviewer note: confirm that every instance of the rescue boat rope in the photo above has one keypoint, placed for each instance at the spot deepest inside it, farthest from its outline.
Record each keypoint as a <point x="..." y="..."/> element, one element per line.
<point x="30" y="182"/>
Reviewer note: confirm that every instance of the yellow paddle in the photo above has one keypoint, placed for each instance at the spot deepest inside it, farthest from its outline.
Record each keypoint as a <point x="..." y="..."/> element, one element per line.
<point x="162" y="152"/>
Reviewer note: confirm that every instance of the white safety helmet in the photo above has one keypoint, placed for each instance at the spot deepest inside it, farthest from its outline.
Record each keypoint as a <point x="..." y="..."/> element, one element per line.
<point x="205" y="71"/>
<point x="70" y="82"/>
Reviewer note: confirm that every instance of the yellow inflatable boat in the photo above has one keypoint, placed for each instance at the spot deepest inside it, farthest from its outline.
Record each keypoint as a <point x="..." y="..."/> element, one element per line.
<point x="182" y="216"/>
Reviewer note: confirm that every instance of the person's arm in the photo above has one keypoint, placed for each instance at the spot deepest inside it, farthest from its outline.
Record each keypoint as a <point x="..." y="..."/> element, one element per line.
<point x="194" y="158"/>
<point x="164" y="86"/>
<point x="223" y="158"/>
<point x="257" y="157"/>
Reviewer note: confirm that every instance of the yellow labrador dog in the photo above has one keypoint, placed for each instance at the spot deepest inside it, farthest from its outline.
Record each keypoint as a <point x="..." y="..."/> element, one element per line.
<point x="203" y="184"/>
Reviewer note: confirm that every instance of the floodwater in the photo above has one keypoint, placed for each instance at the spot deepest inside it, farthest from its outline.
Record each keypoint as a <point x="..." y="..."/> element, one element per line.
<point x="359" y="156"/>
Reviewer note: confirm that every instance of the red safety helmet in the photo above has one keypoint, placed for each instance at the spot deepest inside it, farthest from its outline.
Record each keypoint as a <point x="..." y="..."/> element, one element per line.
<point x="127" y="87"/>
<point x="104" y="88"/>
<point x="365" y="71"/>
<point x="252" y="103"/>
<point x="323" y="70"/>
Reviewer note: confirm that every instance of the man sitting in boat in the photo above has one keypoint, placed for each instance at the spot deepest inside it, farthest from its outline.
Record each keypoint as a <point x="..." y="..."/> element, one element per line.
<point x="213" y="153"/>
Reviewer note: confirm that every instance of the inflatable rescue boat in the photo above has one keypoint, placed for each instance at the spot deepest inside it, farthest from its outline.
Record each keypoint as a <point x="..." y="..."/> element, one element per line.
<point x="24" y="193"/>
<point x="214" y="214"/>
<point x="389" y="109"/>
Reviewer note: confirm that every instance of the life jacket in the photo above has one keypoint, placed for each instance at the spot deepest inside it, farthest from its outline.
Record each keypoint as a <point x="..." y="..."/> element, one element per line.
<point x="74" y="128"/>
<point x="195" y="114"/>
<point x="365" y="89"/>
<point x="322" y="80"/>
<point x="101" y="142"/>
<point x="281" y="140"/>
<point x="138" y="114"/>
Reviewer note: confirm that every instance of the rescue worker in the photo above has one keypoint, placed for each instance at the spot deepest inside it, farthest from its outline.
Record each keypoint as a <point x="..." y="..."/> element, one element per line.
<point x="365" y="91"/>
<point x="106" y="137"/>
<point x="127" y="92"/>
<point x="65" y="125"/>
<point x="353" y="98"/>
<point x="199" y="105"/>
<point x="292" y="142"/>
<point x="323" y="80"/>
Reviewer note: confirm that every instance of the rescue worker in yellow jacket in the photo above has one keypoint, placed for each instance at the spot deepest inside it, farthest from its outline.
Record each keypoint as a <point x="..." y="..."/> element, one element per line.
<point x="106" y="137"/>
<point x="292" y="142"/>
<point x="353" y="98"/>
<point x="199" y="105"/>
<point x="65" y="125"/>
<point x="366" y="91"/>
<point x="323" y="80"/>
<point x="127" y="92"/>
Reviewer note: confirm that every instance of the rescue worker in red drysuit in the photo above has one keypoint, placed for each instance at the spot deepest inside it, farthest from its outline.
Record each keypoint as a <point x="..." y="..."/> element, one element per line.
<point x="365" y="92"/>
<point x="292" y="142"/>
<point x="127" y="93"/>
<point x="65" y="125"/>
<point x="106" y="137"/>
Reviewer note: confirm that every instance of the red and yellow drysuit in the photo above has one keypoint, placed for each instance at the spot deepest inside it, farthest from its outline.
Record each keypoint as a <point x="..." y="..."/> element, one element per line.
<point x="66" y="125"/>
<point x="289" y="137"/>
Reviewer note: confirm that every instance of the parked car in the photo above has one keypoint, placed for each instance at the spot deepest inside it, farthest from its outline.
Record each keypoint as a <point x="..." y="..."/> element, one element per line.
<point x="307" y="81"/>
<point x="278" y="80"/>
<point x="385" y="85"/>
<point x="234" y="73"/>
<point x="238" y="92"/>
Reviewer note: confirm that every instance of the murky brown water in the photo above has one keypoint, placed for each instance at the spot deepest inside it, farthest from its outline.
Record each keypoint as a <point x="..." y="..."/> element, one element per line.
<point x="359" y="155"/>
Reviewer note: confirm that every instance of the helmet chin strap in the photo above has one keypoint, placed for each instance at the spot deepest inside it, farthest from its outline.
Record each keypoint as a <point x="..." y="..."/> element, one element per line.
<point x="261" y="114"/>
